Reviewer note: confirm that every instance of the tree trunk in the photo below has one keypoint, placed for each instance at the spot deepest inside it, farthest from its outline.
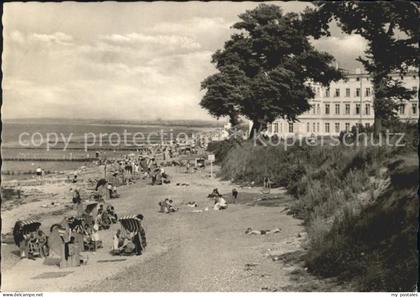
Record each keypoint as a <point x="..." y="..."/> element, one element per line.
<point x="254" y="129"/>
<point x="234" y="119"/>
<point x="257" y="127"/>
<point x="377" y="125"/>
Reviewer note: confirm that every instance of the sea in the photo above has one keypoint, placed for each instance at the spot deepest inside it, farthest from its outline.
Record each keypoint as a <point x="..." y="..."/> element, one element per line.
<point x="63" y="145"/>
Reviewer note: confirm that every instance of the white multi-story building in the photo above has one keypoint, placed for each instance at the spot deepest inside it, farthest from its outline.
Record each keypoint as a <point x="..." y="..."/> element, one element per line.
<point x="344" y="104"/>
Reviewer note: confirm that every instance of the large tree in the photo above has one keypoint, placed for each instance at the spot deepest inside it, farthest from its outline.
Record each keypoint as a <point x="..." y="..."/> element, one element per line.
<point x="265" y="69"/>
<point x="225" y="92"/>
<point x="391" y="30"/>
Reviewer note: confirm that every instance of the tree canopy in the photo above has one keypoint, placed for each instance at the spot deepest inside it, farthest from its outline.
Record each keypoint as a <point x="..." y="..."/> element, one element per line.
<point x="265" y="69"/>
<point x="391" y="30"/>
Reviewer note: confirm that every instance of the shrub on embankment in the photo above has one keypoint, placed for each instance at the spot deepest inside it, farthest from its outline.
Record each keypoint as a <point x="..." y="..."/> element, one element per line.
<point x="221" y="148"/>
<point x="361" y="228"/>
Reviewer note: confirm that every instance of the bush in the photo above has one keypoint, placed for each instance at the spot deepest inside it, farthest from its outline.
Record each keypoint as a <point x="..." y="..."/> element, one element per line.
<point x="376" y="247"/>
<point x="221" y="148"/>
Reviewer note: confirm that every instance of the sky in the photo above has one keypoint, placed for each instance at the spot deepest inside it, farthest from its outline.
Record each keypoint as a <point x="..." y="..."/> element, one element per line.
<point x="133" y="61"/>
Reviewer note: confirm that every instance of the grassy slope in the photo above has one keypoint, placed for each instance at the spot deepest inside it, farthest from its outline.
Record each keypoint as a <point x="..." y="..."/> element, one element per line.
<point x="360" y="208"/>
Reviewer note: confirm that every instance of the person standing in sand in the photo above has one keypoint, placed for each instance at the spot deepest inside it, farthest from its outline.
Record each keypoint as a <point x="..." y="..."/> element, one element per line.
<point x="234" y="194"/>
<point x="39" y="173"/>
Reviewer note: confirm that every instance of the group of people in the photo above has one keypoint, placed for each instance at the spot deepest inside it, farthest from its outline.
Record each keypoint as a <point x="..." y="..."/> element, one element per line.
<point x="131" y="168"/>
<point x="167" y="206"/>
<point x="106" y="217"/>
<point x="31" y="244"/>
<point x="219" y="202"/>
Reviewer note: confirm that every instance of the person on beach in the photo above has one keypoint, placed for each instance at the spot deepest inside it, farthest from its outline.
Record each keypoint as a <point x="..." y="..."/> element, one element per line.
<point x="136" y="169"/>
<point x="158" y="177"/>
<point x="112" y="214"/>
<point x="109" y="188"/>
<point x="119" y="243"/>
<point x="163" y="206"/>
<point x="20" y="239"/>
<point x="214" y="194"/>
<point x="167" y="206"/>
<point x="95" y="236"/>
<point x="39" y="173"/>
<point x="262" y="232"/>
<point x="267" y="184"/>
<point x="42" y="241"/>
<point x="75" y="177"/>
<point x="143" y="164"/>
<point x="76" y="199"/>
<point x="234" y="194"/>
<point x="220" y="203"/>
<point x="171" y="206"/>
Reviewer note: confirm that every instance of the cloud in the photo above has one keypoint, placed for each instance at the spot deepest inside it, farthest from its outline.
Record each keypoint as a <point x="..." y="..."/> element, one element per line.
<point x="119" y="65"/>
<point x="211" y="32"/>
<point x="193" y="26"/>
<point x="348" y="44"/>
<point x="345" y="48"/>
<point x="140" y="39"/>
<point x="55" y="38"/>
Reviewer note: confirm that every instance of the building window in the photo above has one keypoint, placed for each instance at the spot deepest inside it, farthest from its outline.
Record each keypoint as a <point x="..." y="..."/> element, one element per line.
<point x="367" y="125"/>
<point x="357" y="78"/>
<point x="327" y="92"/>
<point x="337" y="127"/>
<point x="317" y="127"/>
<point x="347" y="108"/>
<point x="415" y="90"/>
<point x="367" y="92"/>
<point x="313" y="109"/>
<point x="327" y="127"/>
<point x="313" y="127"/>
<point x="357" y="92"/>
<point x="337" y="108"/>
<point x="290" y="127"/>
<point x="327" y="109"/>
<point x="337" y="93"/>
<point x="308" y="127"/>
<point x="414" y="107"/>
<point x="348" y="92"/>
<point x="318" y="107"/>
<point x="357" y="108"/>
<point x="276" y="127"/>
<point x="281" y="127"/>
<point x="347" y="127"/>
<point x="367" y="109"/>
<point x="402" y="108"/>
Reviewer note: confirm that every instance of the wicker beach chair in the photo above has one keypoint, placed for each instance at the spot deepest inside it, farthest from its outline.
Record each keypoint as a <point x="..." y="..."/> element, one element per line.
<point x="24" y="234"/>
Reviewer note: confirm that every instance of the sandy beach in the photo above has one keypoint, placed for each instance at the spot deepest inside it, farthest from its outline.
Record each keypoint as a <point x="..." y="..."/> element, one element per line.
<point x="187" y="251"/>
